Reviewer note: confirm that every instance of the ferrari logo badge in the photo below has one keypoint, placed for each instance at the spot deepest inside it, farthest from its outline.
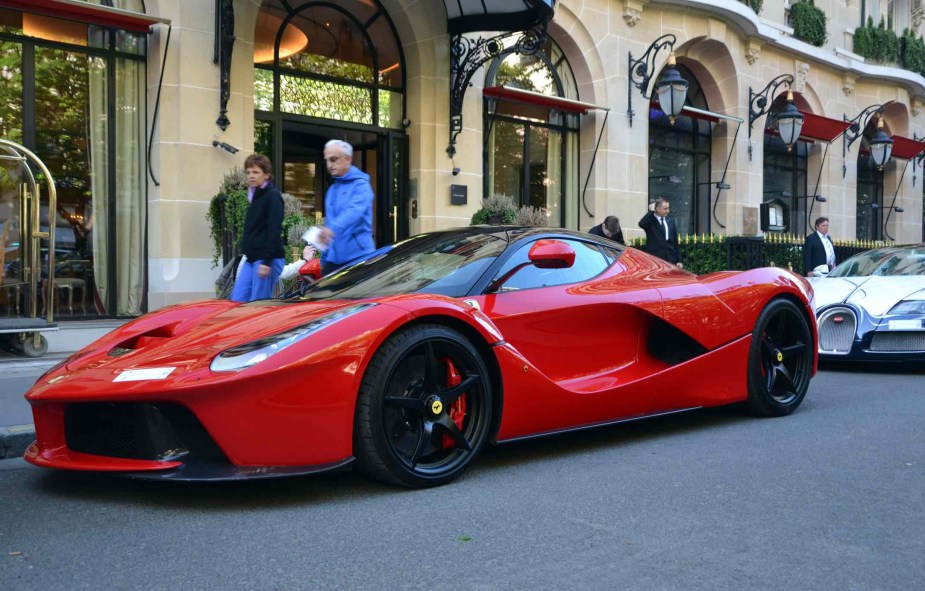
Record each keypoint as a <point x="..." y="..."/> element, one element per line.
<point x="780" y="357"/>
<point x="436" y="406"/>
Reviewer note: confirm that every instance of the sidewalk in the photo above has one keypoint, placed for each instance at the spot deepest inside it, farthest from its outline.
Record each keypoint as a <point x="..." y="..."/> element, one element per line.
<point x="18" y="373"/>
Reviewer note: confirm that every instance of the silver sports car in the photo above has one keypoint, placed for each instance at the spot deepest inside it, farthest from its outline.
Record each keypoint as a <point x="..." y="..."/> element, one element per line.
<point x="872" y="306"/>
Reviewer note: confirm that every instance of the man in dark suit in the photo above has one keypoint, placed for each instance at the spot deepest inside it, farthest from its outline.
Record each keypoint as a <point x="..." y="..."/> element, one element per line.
<point x="661" y="232"/>
<point x="610" y="228"/>
<point x="818" y="248"/>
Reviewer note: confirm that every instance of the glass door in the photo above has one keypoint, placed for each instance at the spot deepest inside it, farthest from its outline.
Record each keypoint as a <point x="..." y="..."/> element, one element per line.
<point x="392" y="202"/>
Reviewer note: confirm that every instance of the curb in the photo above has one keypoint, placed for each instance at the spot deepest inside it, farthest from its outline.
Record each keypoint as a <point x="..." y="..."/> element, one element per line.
<point x="14" y="440"/>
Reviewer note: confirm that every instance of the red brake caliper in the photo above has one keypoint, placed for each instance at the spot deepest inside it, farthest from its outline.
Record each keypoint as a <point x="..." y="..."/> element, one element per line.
<point x="457" y="410"/>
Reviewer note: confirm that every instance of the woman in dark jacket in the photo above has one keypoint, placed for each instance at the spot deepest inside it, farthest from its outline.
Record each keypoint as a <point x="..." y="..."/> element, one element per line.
<point x="262" y="242"/>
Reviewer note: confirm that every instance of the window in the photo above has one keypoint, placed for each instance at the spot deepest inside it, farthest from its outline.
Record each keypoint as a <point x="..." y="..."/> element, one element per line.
<point x="895" y="14"/>
<point x="589" y="262"/>
<point x="531" y="154"/>
<point x="679" y="160"/>
<point x="86" y="121"/>
<point x="785" y="176"/>
<point x="331" y="61"/>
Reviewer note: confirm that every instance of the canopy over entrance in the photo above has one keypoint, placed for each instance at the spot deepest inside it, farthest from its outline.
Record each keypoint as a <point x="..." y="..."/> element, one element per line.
<point x="469" y="16"/>
<point x="83" y="12"/>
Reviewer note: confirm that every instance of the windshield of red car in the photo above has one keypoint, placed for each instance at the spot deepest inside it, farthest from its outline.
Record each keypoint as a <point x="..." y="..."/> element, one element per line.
<point x="445" y="263"/>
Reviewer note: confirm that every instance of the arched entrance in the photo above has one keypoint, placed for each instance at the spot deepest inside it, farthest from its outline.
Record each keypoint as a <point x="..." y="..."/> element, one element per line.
<point x="322" y="71"/>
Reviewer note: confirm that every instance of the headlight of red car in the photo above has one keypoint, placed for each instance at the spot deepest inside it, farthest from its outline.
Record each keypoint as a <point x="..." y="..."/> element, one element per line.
<point x="250" y="354"/>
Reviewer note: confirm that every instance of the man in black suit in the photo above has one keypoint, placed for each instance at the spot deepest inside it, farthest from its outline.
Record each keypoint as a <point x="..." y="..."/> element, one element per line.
<point x="661" y="232"/>
<point x="818" y="248"/>
<point x="610" y="228"/>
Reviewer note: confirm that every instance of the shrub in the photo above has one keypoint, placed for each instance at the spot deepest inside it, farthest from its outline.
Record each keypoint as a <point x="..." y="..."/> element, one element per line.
<point x="885" y="44"/>
<point x="232" y="198"/>
<point x="864" y="39"/>
<point x="496" y="209"/>
<point x="912" y="52"/>
<point x="531" y="216"/>
<point x="808" y="23"/>
<point x="753" y="4"/>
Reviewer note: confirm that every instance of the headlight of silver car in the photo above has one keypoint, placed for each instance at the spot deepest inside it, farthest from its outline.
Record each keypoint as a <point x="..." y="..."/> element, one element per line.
<point x="909" y="307"/>
<point x="250" y="354"/>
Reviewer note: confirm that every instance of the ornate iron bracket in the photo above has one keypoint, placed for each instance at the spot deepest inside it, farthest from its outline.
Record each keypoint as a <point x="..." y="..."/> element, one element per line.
<point x="468" y="55"/>
<point x="759" y="103"/>
<point x="641" y="70"/>
<point x="224" y="45"/>
<point x="855" y="131"/>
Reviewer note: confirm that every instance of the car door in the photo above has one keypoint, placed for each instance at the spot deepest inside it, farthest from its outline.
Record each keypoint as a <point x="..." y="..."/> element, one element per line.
<point x="578" y="330"/>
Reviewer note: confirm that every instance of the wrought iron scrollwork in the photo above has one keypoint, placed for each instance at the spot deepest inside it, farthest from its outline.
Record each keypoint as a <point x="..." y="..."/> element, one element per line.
<point x="468" y="55"/>
<point x="759" y="103"/>
<point x="640" y="70"/>
<point x="225" y="34"/>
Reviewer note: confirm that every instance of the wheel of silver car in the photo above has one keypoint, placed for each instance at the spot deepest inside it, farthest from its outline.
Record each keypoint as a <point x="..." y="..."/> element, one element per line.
<point x="780" y="360"/>
<point x="424" y="408"/>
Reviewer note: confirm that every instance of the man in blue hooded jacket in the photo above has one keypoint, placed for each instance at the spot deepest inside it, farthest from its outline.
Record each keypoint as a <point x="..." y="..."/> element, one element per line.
<point x="348" y="209"/>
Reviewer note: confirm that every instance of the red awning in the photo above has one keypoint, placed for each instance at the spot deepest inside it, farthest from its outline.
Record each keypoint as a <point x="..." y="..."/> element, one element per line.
<point x="817" y="127"/>
<point x="86" y="13"/>
<point x="905" y="148"/>
<point x="536" y="99"/>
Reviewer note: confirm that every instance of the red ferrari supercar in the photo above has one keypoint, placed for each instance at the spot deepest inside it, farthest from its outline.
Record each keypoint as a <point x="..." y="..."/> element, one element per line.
<point x="407" y="363"/>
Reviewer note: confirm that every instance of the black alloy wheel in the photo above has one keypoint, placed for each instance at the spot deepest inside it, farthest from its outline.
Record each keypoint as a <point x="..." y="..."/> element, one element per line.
<point x="780" y="360"/>
<point x="424" y="408"/>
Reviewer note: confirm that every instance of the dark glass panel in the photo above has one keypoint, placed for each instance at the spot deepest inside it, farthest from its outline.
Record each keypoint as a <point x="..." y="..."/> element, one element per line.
<point x="263" y="138"/>
<point x="870" y="191"/>
<point x="387" y="53"/>
<point x="508" y="171"/>
<point x="130" y="42"/>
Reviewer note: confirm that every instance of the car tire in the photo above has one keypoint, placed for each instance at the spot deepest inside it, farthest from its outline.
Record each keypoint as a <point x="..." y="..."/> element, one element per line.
<point x="424" y="408"/>
<point x="780" y="360"/>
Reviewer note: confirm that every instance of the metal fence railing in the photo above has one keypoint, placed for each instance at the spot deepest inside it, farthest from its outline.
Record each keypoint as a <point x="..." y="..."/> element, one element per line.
<point x="716" y="252"/>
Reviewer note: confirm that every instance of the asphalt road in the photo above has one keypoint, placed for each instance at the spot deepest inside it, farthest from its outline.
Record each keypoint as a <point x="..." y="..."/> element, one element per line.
<point x="832" y="497"/>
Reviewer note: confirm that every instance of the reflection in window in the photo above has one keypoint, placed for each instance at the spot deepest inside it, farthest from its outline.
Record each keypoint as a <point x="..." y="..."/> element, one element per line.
<point x="531" y="152"/>
<point x="81" y="101"/>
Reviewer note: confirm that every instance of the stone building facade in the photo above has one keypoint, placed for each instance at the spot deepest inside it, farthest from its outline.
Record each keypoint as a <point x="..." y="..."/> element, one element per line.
<point x="385" y="65"/>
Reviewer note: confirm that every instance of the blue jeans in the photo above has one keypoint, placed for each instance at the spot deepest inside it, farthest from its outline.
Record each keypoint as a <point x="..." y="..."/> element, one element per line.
<point x="249" y="287"/>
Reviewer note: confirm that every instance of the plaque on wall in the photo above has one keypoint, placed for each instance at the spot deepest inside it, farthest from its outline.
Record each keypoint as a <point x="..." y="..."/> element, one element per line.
<point x="459" y="194"/>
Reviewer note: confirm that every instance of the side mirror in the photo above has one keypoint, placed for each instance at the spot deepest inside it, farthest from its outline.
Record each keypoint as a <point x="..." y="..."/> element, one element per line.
<point x="821" y="271"/>
<point x="551" y="254"/>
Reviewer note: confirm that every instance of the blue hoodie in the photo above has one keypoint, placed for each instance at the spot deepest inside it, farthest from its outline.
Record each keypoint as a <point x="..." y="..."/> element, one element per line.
<point x="348" y="212"/>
